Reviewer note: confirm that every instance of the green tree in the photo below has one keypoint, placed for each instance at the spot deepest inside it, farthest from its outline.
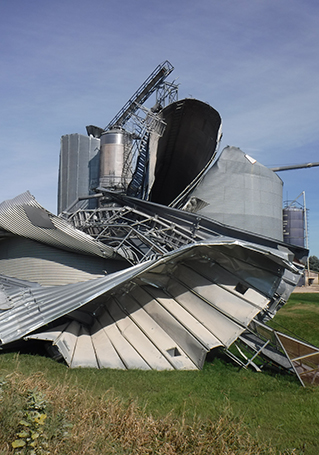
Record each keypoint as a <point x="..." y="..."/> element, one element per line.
<point x="314" y="263"/>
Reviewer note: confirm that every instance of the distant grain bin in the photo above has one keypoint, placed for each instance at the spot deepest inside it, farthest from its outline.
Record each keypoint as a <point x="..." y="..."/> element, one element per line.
<point x="114" y="171"/>
<point x="294" y="225"/>
<point x="78" y="169"/>
<point x="242" y="193"/>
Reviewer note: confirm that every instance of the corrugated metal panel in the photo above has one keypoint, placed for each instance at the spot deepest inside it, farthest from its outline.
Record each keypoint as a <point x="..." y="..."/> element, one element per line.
<point x="121" y="340"/>
<point x="194" y="327"/>
<point x="33" y="261"/>
<point x="84" y="353"/>
<point x="174" y="326"/>
<point x="33" y="308"/>
<point x="12" y="284"/>
<point x="152" y="328"/>
<point x="137" y="338"/>
<point x="225" y="329"/>
<point x="67" y="340"/>
<point x="166" y="346"/>
<point x="242" y="193"/>
<point x="34" y="224"/>
<point x="230" y="304"/>
<point x="106" y="354"/>
<point x="129" y="356"/>
<point x="78" y="169"/>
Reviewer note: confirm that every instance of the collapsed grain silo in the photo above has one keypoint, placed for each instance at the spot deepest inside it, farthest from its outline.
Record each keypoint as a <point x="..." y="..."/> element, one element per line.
<point x="126" y="276"/>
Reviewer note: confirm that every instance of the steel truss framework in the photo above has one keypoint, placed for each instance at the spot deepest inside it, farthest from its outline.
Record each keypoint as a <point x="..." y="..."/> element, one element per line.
<point x="140" y="231"/>
<point x="166" y="93"/>
<point x="135" y="234"/>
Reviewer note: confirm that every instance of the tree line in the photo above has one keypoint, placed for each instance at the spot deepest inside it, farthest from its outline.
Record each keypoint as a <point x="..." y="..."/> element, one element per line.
<point x="314" y="263"/>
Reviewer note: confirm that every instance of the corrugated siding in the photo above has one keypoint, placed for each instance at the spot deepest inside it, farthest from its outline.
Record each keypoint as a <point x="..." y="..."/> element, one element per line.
<point x="243" y="195"/>
<point x="35" y="307"/>
<point x="33" y="261"/>
<point x="79" y="168"/>
<point x="13" y="218"/>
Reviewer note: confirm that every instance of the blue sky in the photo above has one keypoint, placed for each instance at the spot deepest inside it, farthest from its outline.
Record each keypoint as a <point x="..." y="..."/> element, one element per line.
<point x="66" y="64"/>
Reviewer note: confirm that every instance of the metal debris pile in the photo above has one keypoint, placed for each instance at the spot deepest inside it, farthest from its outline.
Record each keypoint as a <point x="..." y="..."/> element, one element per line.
<point x="127" y="302"/>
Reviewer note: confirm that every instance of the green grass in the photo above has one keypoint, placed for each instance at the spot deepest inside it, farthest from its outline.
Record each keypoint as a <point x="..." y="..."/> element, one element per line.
<point x="300" y="316"/>
<point x="273" y="408"/>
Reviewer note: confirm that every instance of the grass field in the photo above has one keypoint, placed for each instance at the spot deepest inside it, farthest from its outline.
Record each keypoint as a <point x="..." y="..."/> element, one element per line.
<point x="300" y="316"/>
<point x="219" y="410"/>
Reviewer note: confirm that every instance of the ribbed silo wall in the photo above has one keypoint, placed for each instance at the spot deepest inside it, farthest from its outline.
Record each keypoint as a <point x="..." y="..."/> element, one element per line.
<point x="78" y="170"/>
<point x="294" y="226"/>
<point x="34" y="261"/>
<point x="242" y="193"/>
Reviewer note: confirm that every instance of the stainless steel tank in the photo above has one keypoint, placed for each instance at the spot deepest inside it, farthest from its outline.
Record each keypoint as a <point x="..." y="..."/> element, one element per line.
<point x="113" y="155"/>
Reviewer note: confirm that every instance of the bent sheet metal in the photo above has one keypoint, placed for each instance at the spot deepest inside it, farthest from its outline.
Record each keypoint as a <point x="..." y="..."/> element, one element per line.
<point x="165" y="312"/>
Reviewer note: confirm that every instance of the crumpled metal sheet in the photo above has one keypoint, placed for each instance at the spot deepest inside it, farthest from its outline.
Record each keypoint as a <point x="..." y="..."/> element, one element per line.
<point x="31" y="308"/>
<point x="25" y="217"/>
<point x="47" y="265"/>
<point x="164" y="314"/>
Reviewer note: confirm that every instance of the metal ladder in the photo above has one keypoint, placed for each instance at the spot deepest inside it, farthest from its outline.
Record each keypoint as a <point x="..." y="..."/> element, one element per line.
<point x="137" y="184"/>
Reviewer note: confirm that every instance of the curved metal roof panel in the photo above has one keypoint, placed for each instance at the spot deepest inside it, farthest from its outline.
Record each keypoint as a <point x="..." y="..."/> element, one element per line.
<point x="25" y="217"/>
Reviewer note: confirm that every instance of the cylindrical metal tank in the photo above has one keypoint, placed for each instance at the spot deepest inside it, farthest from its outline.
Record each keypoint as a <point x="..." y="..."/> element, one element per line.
<point x="113" y="172"/>
<point x="78" y="169"/>
<point x="294" y="226"/>
<point x="242" y="193"/>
